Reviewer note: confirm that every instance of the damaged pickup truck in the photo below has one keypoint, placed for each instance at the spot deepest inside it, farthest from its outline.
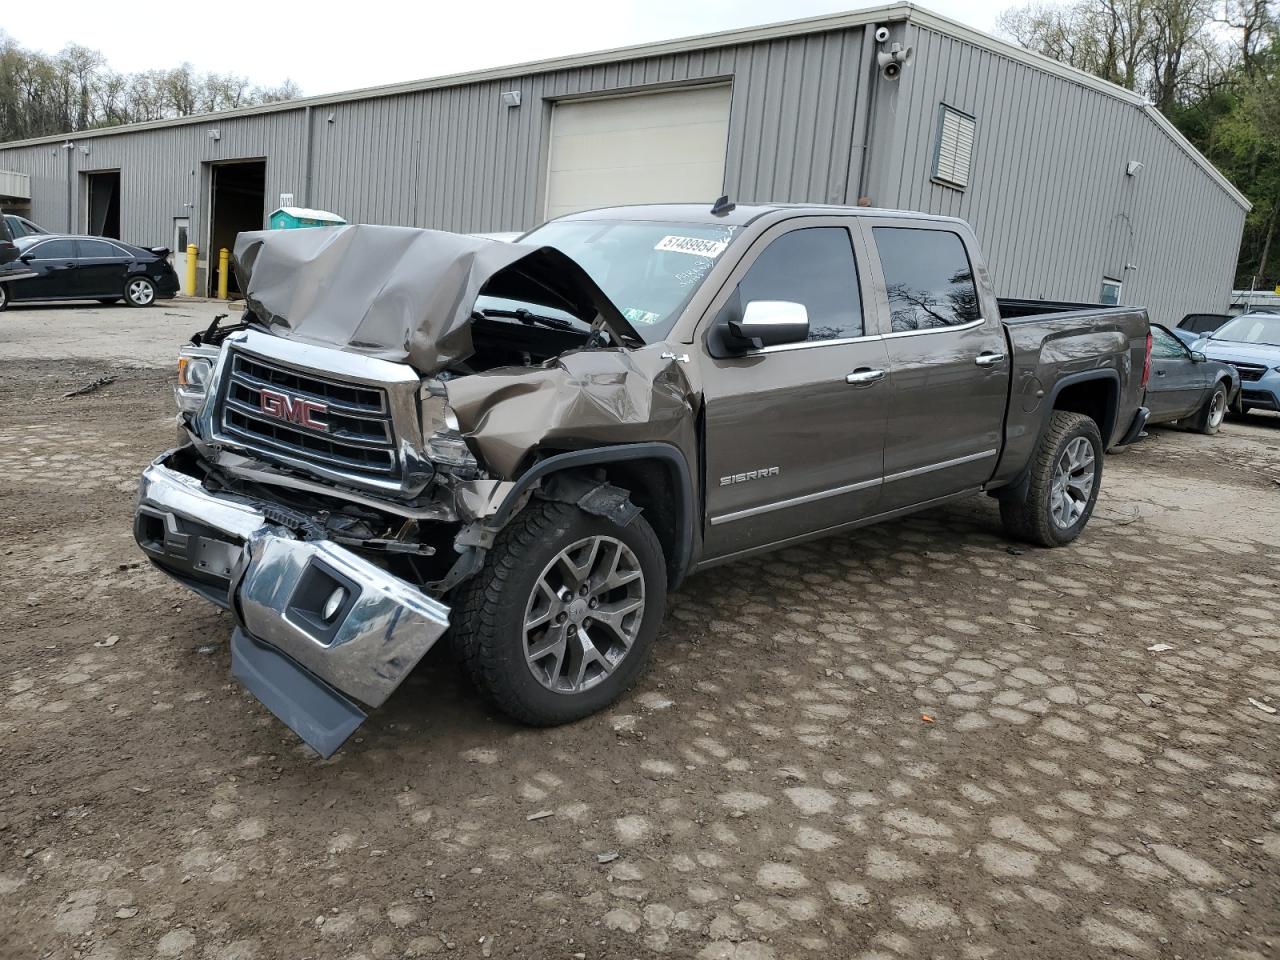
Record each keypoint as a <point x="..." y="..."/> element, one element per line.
<point x="528" y="445"/>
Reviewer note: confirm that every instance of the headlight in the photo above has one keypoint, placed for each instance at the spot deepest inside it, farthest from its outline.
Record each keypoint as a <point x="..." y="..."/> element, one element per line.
<point x="195" y="370"/>
<point x="440" y="432"/>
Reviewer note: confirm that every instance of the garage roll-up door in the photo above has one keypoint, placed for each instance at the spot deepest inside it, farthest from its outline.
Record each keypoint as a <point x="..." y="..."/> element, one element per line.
<point x="647" y="148"/>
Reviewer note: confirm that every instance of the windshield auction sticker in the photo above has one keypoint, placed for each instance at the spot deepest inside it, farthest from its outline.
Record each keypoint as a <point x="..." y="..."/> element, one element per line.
<point x="694" y="245"/>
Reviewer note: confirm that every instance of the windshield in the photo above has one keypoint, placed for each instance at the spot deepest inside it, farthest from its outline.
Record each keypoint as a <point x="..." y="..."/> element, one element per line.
<point x="1263" y="328"/>
<point x="649" y="270"/>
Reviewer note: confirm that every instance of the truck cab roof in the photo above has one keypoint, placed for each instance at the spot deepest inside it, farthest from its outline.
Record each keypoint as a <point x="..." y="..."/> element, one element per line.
<point x="741" y="214"/>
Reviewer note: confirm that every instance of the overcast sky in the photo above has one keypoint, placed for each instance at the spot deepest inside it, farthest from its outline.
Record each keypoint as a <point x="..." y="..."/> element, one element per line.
<point x="325" y="46"/>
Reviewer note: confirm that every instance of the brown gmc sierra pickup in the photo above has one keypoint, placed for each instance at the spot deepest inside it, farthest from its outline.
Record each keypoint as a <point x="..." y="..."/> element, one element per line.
<point x="528" y="444"/>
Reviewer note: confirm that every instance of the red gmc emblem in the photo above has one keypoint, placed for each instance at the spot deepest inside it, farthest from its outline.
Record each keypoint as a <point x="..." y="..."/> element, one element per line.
<point x="281" y="406"/>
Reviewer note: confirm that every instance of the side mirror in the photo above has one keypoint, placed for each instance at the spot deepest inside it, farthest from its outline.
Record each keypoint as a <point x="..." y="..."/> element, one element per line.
<point x="1198" y="357"/>
<point x="26" y="258"/>
<point x="768" y="323"/>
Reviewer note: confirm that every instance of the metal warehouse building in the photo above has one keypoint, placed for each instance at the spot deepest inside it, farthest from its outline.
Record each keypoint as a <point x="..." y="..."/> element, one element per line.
<point x="1079" y="189"/>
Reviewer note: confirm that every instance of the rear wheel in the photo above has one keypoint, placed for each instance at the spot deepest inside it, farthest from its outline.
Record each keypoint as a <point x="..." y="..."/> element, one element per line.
<point x="1209" y="417"/>
<point x="559" y="622"/>
<point x="4" y="296"/>
<point x="1065" y="475"/>
<point x="139" y="292"/>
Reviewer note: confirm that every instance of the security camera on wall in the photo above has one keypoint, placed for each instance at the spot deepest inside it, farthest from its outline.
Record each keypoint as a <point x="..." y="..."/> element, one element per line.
<point x="892" y="61"/>
<point x="882" y="34"/>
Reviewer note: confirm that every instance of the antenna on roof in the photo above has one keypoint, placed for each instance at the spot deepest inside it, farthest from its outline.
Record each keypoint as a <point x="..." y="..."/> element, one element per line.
<point x="722" y="206"/>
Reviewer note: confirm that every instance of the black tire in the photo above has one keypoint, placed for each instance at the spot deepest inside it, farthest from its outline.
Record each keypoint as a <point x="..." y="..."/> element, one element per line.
<point x="4" y="296"/>
<point x="1209" y="417"/>
<point x="1031" y="518"/>
<point x="139" y="292"/>
<point x="489" y="633"/>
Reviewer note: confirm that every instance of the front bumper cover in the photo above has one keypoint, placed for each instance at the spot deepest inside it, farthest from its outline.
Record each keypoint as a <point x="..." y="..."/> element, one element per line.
<point x="308" y="669"/>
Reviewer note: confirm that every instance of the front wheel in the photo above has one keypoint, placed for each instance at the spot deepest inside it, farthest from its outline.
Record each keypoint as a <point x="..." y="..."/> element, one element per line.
<point x="560" y="620"/>
<point x="1065" y="475"/>
<point x="139" y="292"/>
<point x="4" y="296"/>
<point x="1209" y="417"/>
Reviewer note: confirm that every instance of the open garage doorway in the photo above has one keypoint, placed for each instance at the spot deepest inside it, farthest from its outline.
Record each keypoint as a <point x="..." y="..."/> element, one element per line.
<point x="103" y="204"/>
<point x="237" y="202"/>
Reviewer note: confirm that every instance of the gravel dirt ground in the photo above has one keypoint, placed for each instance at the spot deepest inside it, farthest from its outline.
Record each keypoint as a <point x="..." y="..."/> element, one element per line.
<point x="915" y="741"/>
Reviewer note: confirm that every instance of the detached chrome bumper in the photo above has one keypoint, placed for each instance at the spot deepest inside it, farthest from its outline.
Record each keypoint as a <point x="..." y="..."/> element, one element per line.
<point x="308" y="669"/>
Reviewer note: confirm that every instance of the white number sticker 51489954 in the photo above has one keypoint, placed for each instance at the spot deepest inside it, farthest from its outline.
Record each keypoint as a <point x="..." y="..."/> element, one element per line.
<point x="694" y="245"/>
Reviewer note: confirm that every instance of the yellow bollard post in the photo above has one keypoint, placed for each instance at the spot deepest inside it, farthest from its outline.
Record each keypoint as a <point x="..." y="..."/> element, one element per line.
<point x="191" y="269"/>
<point x="224" y="258"/>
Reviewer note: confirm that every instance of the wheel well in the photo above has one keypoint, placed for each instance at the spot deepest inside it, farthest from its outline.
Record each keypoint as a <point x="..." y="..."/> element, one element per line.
<point x="650" y="486"/>
<point x="656" y="479"/>
<point x="1096" y="399"/>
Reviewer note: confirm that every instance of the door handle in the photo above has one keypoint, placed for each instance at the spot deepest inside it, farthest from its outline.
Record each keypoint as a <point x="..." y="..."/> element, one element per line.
<point x="1160" y="373"/>
<point x="864" y="375"/>
<point x="989" y="359"/>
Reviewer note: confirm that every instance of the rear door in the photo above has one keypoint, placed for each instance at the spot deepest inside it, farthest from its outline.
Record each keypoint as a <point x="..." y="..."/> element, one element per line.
<point x="102" y="269"/>
<point x="1177" y="383"/>
<point x="794" y="433"/>
<point x="948" y="355"/>
<point x="54" y="264"/>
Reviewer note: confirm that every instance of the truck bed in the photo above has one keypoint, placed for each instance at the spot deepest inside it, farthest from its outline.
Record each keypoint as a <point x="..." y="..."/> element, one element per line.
<point x="1054" y="346"/>
<point x="1020" y="309"/>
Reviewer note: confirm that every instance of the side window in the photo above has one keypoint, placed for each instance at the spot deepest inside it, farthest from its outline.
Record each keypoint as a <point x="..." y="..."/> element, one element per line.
<point x="929" y="278"/>
<point x="100" y="250"/>
<point x="54" y="250"/>
<point x="1165" y="346"/>
<point x="813" y="266"/>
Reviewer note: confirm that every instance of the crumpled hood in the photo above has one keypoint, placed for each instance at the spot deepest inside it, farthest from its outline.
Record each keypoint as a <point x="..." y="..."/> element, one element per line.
<point x="401" y="293"/>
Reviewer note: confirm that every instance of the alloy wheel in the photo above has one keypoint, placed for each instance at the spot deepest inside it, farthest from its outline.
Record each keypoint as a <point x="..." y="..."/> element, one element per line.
<point x="140" y="292"/>
<point x="1073" y="478"/>
<point x="584" y="614"/>
<point x="1217" y="408"/>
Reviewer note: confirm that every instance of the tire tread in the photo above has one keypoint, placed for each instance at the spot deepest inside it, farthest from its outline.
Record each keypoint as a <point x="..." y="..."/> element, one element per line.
<point x="1028" y="518"/>
<point x="479" y="642"/>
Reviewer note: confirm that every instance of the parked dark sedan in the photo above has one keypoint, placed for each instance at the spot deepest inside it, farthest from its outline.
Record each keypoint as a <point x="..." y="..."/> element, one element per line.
<point x="1185" y="386"/>
<point x="89" y="268"/>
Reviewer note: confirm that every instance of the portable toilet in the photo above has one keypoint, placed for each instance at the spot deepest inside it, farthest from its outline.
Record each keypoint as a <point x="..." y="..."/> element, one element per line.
<point x="291" y="218"/>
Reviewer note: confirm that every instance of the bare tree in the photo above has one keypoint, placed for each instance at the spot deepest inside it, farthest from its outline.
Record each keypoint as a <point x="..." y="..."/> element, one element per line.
<point x="76" y="89"/>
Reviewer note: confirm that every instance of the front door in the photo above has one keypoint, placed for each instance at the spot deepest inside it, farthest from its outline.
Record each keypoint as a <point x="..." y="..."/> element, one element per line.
<point x="950" y="369"/>
<point x="1176" y="383"/>
<point x="795" y="432"/>
<point x="54" y="264"/>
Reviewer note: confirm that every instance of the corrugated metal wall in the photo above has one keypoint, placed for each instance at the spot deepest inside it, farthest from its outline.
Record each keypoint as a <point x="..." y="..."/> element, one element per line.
<point x="455" y="158"/>
<point x="1048" y="194"/>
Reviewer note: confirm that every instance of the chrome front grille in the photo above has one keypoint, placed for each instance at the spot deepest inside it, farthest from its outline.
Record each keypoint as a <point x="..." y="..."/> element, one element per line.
<point x="295" y="416"/>
<point x="1249" y="372"/>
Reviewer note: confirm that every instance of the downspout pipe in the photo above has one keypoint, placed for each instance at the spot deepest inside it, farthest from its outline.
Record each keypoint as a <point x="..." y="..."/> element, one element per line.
<point x="69" y="148"/>
<point x="856" y="173"/>
<point x="306" y="157"/>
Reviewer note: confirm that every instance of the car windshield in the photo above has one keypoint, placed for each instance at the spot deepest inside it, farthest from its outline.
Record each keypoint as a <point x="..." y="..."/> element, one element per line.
<point x="649" y="270"/>
<point x="1261" y="328"/>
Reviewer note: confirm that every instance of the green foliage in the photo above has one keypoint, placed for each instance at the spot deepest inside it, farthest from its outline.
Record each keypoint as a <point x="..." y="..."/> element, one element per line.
<point x="47" y="94"/>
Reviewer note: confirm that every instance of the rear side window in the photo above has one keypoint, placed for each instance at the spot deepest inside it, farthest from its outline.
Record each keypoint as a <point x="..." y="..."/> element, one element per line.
<point x="813" y="266"/>
<point x="54" y="250"/>
<point x="100" y="249"/>
<point x="929" y="279"/>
